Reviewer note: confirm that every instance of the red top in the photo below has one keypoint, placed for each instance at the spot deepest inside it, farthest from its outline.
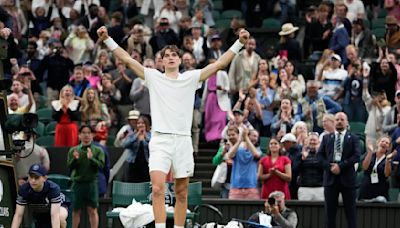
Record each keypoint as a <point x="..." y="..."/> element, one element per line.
<point x="274" y="183"/>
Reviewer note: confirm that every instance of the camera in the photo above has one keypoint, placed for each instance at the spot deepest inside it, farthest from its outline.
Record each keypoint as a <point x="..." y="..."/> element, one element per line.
<point x="20" y="126"/>
<point x="25" y="74"/>
<point x="271" y="201"/>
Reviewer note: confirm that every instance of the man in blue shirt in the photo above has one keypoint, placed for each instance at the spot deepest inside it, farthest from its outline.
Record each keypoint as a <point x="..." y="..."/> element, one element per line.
<point x="44" y="199"/>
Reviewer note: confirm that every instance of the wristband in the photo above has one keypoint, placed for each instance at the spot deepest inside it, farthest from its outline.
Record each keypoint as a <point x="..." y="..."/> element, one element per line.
<point x="110" y="43"/>
<point x="235" y="48"/>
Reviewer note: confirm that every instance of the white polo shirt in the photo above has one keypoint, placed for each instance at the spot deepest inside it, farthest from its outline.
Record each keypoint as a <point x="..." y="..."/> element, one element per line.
<point x="172" y="100"/>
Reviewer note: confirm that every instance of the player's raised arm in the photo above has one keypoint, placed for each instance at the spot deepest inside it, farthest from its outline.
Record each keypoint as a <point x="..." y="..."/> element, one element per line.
<point x="227" y="57"/>
<point x="120" y="53"/>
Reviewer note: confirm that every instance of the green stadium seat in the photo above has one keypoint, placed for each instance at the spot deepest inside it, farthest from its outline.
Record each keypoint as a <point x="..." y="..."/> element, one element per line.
<point x="229" y="14"/>
<point x="264" y="143"/>
<point x="40" y="128"/>
<point x="51" y="128"/>
<point x="379" y="33"/>
<point x="216" y="15"/>
<point x="217" y="5"/>
<point x="378" y="23"/>
<point x="223" y="24"/>
<point x="45" y="115"/>
<point x="62" y="180"/>
<point x="47" y="140"/>
<point x="357" y="127"/>
<point x="271" y="24"/>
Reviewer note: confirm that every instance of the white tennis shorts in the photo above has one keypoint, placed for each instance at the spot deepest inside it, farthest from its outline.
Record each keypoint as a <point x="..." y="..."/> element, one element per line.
<point x="171" y="151"/>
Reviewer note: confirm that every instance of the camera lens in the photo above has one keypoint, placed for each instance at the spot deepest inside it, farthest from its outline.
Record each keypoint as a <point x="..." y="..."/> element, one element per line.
<point x="271" y="201"/>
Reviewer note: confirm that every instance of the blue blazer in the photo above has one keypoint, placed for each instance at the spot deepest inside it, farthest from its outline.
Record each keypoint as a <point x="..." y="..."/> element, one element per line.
<point x="350" y="156"/>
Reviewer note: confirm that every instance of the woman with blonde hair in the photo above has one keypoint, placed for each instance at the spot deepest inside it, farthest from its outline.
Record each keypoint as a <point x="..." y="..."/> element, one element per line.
<point x="300" y="130"/>
<point x="323" y="63"/>
<point x="103" y="61"/>
<point x="66" y="113"/>
<point x="95" y="114"/>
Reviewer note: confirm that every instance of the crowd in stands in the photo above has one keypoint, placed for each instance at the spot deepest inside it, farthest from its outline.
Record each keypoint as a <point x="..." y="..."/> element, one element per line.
<point x="56" y="62"/>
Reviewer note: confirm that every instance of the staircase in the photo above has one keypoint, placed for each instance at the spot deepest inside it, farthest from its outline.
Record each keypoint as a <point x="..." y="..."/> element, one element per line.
<point x="204" y="168"/>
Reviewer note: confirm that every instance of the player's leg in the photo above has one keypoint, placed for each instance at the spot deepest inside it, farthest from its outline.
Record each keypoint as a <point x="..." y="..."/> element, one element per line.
<point x="181" y="193"/>
<point x="158" y="196"/>
<point x="63" y="217"/>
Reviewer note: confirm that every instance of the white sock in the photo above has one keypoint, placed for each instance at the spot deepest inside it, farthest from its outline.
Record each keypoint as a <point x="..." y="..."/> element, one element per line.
<point x="160" y="225"/>
<point x="178" y="226"/>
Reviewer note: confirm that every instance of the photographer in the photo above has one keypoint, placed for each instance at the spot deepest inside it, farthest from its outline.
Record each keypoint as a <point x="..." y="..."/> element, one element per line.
<point x="282" y="217"/>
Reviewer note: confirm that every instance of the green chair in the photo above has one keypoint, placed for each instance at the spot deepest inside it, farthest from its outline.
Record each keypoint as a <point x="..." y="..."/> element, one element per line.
<point x="222" y="24"/>
<point x="264" y="141"/>
<point x="110" y="140"/>
<point x="217" y="5"/>
<point x="357" y="127"/>
<point x="62" y="180"/>
<point x="229" y="14"/>
<point x="367" y="23"/>
<point x="123" y="193"/>
<point x="41" y="102"/>
<point x="47" y="140"/>
<point x="382" y="13"/>
<point x="51" y="128"/>
<point x="40" y="129"/>
<point x="379" y="33"/>
<point x="45" y="115"/>
<point x="378" y="23"/>
<point x="216" y="14"/>
<point x="393" y="194"/>
<point x="271" y="24"/>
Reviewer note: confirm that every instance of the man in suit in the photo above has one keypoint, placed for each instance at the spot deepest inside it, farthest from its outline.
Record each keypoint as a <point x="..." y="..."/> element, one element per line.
<point x="338" y="153"/>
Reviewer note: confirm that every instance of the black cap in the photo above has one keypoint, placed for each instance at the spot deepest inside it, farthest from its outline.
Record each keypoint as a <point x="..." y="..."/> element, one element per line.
<point x="238" y="111"/>
<point x="38" y="170"/>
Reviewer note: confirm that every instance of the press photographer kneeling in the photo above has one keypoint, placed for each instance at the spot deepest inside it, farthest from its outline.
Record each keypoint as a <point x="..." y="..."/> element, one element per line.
<point x="276" y="212"/>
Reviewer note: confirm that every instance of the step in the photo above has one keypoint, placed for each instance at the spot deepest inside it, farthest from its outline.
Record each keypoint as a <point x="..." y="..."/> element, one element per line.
<point x="210" y="145"/>
<point x="204" y="182"/>
<point x="204" y="167"/>
<point x="210" y="191"/>
<point x="203" y="174"/>
<point x="203" y="159"/>
<point x="207" y="152"/>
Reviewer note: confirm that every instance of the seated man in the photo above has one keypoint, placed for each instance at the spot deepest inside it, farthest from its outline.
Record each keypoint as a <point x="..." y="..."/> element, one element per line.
<point x="44" y="199"/>
<point x="282" y="216"/>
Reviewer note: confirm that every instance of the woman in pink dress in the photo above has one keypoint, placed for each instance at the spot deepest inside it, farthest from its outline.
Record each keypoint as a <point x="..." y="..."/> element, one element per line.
<point x="275" y="171"/>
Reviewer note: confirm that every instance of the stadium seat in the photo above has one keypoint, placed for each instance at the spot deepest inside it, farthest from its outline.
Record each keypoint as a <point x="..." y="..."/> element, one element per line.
<point x="379" y="33"/>
<point x="357" y="127"/>
<point x="393" y="194"/>
<point x="222" y="24"/>
<point x="272" y="24"/>
<point x="45" y="115"/>
<point x="217" y="5"/>
<point x="47" y="140"/>
<point x="229" y="14"/>
<point x="216" y="14"/>
<point x="51" y="128"/>
<point x="264" y="141"/>
<point x="62" y="180"/>
<point x="110" y="140"/>
<point x="382" y="13"/>
<point x="378" y="23"/>
<point x="40" y="128"/>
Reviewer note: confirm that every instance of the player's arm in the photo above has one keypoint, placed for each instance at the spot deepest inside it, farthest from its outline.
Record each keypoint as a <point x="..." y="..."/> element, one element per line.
<point x="120" y="53"/>
<point x="17" y="219"/>
<point x="55" y="215"/>
<point x="226" y="58"/>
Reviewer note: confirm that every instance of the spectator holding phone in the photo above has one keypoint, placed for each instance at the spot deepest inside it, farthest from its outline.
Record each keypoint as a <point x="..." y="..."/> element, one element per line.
<point x="284" y="120"/>
<point x="127" y="129"/>
<point x="275" y="207"/>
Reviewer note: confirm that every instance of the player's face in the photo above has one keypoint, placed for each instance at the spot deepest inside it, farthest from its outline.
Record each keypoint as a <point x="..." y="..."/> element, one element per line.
<point x="36" y="182"/>
<point x="171" y="59"/>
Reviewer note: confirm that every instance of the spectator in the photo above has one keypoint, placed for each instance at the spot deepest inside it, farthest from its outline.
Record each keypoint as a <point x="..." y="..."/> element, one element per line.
<point x="341" y="11"/>
<point x="163" y="35"/>
<point x="377" y="167"/>
<point x="79" y="45"/>
<point x="323" y="63"/>
<point x="237" y="119"/>
<point x="95" y="114"/>
<point x="12" y="50"/>
<point x="391" y="120"/>
<point x="30" y="57"/>
<point x="292" y="149"/>
<point x="92" y="74"/>
<point x="104" y="172"/>
<point x="353" y="105"/>
<point x="103" y="61"/>
<point x="20" y="25"/>
<point x="137" y="42"/>
<point x="328" y="123"/>
<point x="18" y="89"/>
<point x="30" y="155"/>
<point x="265" y="97"/>
<point x="281" y="215"/>
<point x="244" y="168"/>
<point x="221" y="156"/>
<point x="340" y="39"/>
<point x="185" y="26"/>
<point x="91" y="21"/>
<point x="15" y="105"/>
<point x="383" y="76"/>
<point x="332" y="78"/>
<point x="84" y="162"/>
<point x="393" y="8"/>
<point x="230" y="35"/>
<point x="310" y="170"/>
<point x="392" y="57"/>
<point x="362" y="39"/>
<point x="50" y="207"/>
<point x="313" y="106"/>
<point x="40" y="20"/>
<point x="275" y="171"/>
<point x="355" y="9"/>
<point x="377" y="106"/>
<point x="263" y="69"/>
<point x="140" y="93"/>
<point x="58" y="67"/>
<point x="242" y="68"/>
<point x="392" y="36"/>
<point x="338" y="153"/>
<point x="206" y="6"/>
<point x="110" y="96"/>
<point x="182" y="6"/>
<point x="288" y="45"/>
<point x="79" y="83"/>
<point x="116" y="29"/>
<point x="253" y="112"/>
<point x="352" y="56"/>
<point x="284" y="120"/>
<point x="65" y="112"/>
<point x="320" y="30"/>
<point x="215" y="104"/>
<point x="199" y="20"/>
<point x="169" y="11"/>
<point x="127" y="128"/>
<point x="300" y="131"/>
<point x="137" y="143"/>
